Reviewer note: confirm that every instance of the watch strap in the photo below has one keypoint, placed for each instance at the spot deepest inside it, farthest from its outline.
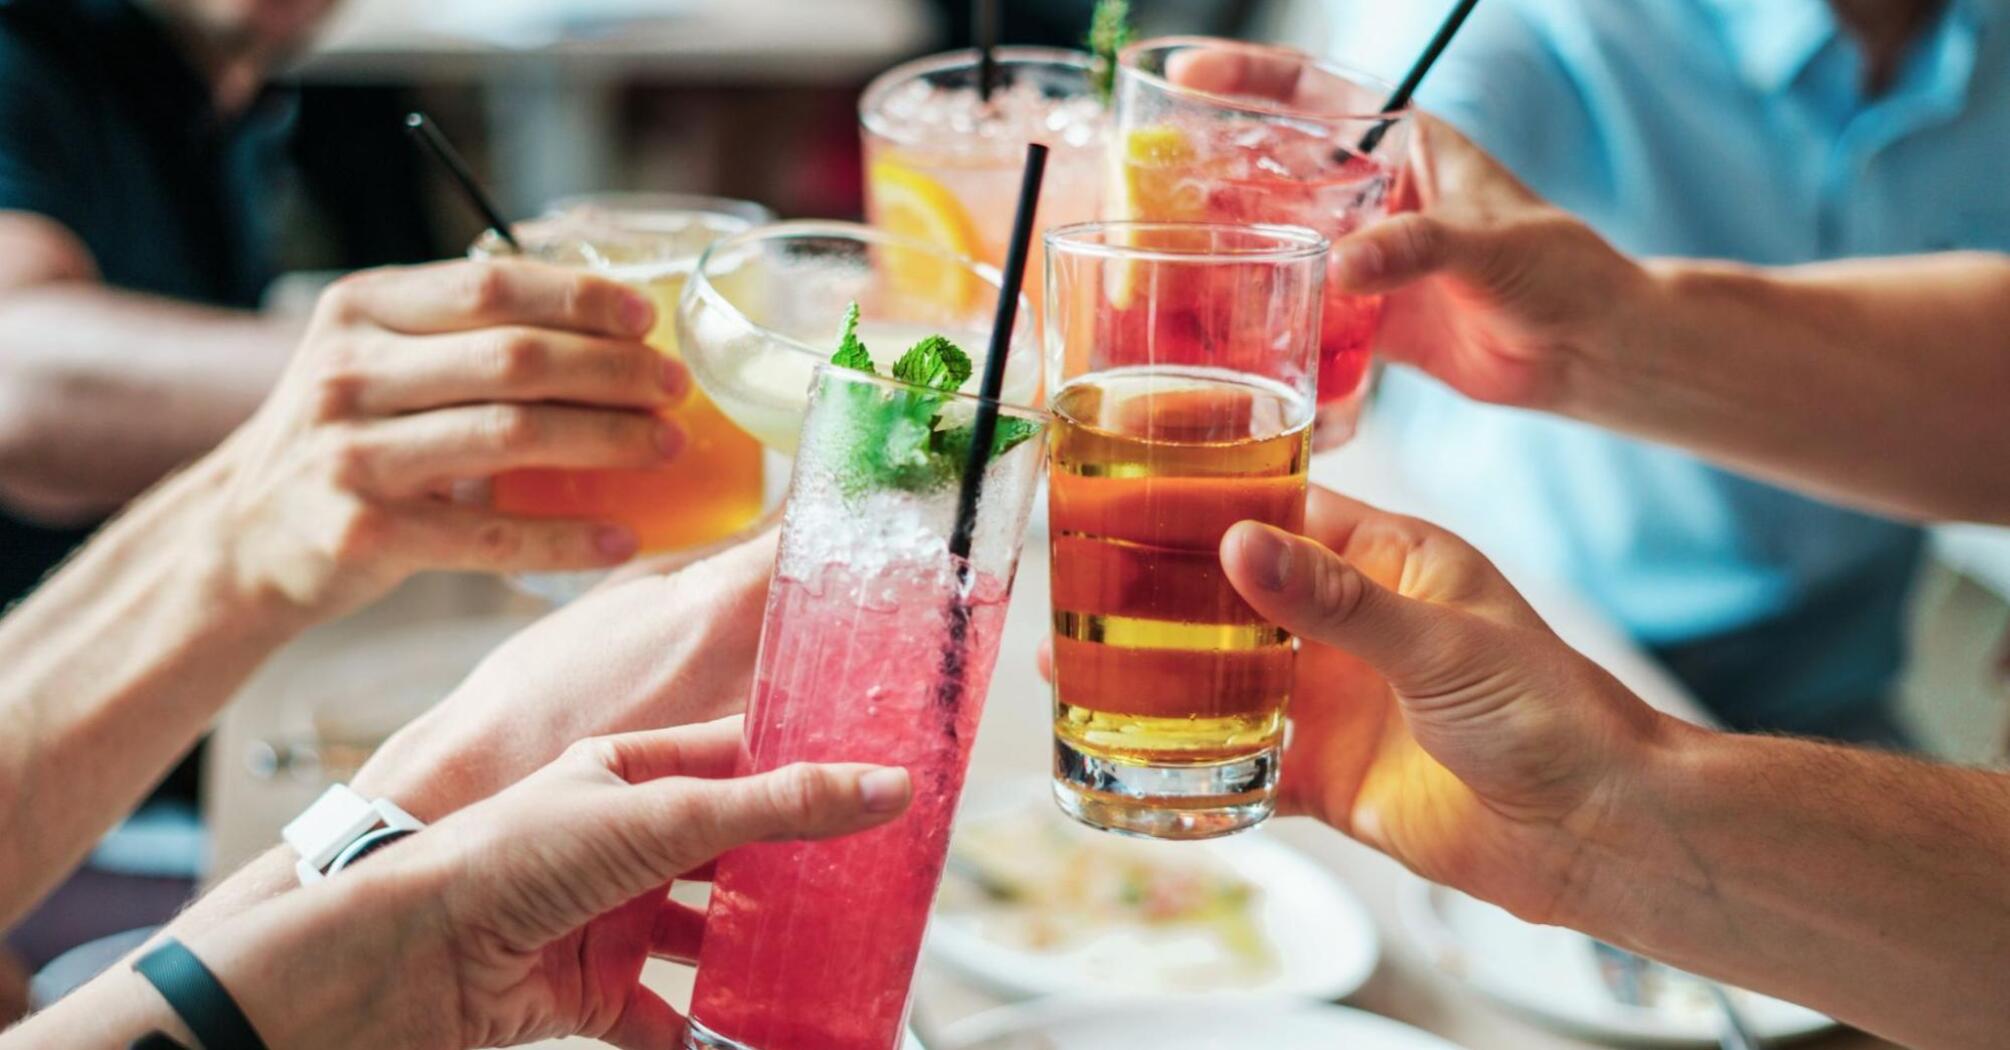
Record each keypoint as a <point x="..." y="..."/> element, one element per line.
<point x="198" y="998"/>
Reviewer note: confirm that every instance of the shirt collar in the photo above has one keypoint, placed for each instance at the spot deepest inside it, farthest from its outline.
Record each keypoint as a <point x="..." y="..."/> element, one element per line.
<point x="1772" y="41"/>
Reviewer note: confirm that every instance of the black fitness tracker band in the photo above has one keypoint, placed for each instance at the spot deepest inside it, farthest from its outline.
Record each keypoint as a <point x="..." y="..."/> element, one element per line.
<point x="198" y="998"/>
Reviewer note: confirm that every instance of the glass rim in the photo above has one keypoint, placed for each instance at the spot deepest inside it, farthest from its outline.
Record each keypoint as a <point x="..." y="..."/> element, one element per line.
<point x="641" y="206"/>
<point x="1288" y="243"/>
<point x="1127" y="65"/>
<point x="869" y="110"/>
<point x="664" y="255"/>
<point x="702" y="286"/>
<point x="1015" y="409"/>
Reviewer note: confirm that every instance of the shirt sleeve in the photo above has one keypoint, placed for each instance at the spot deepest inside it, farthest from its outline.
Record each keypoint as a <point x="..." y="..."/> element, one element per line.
<point x="37" y="155"/>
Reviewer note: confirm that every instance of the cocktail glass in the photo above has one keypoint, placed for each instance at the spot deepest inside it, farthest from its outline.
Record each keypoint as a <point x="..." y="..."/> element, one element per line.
<point x="762" y="309"/>
<point x="943" y="165"/>
<point x="877" y="647"/>
<point x="1212" y="130"/>
<point x="1183" y="359"/>
<point x="714" y="490"/>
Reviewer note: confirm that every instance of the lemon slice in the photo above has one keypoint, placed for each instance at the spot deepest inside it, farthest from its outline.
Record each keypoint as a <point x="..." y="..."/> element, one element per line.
<point x="912" y="205"/>
<point x="1154" y="183"/>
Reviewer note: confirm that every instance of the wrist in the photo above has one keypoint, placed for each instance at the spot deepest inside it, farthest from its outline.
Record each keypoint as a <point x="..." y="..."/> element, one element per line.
<point x="1637" y="869"/>
<point x="359" y="960"/>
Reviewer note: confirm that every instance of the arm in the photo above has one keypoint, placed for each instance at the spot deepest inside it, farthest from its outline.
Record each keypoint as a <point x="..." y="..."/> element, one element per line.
<point x="1436" y="718"/>
<point x="528" y="916"/>
<point x="115" y="666"/>
<point x="103" y="392"/>
<point x="1878" y="381"/>
<point x="322" y="503"/>
<point x="1882" y="382"/>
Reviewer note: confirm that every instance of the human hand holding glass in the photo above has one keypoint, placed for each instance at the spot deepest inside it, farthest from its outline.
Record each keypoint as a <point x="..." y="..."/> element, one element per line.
<point x="412" y="379"/>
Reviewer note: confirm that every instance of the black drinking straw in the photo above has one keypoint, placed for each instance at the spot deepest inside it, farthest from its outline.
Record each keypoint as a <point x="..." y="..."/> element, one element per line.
<point x="984" y="428"/>
<point x="1415" y="77"/>
<point x="984" y="26"/>
<point x="429" y="137"/>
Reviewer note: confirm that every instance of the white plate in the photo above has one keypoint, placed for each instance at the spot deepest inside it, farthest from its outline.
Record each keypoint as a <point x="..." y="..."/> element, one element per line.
<point x="1550" y="974"/>
<point x="1325" y="943"/>
<point x="1183" y="1024"/>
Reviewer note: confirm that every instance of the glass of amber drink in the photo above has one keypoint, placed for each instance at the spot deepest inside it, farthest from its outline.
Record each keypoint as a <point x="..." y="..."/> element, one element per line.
<point x="1185" y="361"/>
<point x="716" y="488"/>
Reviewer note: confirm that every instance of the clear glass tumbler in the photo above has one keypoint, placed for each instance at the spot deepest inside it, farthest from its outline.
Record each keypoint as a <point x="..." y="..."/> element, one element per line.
<point x="1183" y="358"/>
<point x="1211" y="130"/>
<point x="877" y="647"/>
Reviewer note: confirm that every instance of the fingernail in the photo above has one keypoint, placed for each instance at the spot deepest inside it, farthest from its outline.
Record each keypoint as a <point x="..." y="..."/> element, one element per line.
<point x="1357" y="261"/>
<point x="638" y="314"/>
<point x="615" y="541"/>
<point x="883" y="790"/>
<point x="669" y="439"/>
<point x="674" y="377"/>
<point x="1272" y="557"/>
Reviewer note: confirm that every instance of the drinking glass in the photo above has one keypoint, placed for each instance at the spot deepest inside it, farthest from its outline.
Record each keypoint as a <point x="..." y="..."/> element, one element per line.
<point x="715" y="490"/>
<point x="1212" y="130"/>
<point x="877" y="647"/>
<point x="1184" y="359"/>
<point x="943" y="164"/>
<point x="762" y="310"/>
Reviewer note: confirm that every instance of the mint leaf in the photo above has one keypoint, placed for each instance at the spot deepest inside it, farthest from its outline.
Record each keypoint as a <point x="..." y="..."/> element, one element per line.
<point x="893" y="438"/>
<point x="1110" y="32"/>
<point x="851" y="353"/>
<point x="935" y="363"/>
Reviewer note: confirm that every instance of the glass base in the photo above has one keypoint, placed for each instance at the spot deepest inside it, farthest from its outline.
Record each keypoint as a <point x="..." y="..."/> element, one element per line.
<point x="699" y="1037"/>
<point x="1180" y="802"/>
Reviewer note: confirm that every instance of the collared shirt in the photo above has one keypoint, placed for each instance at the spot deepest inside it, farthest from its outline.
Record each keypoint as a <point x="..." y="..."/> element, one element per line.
<point x="106" y="129"/>
<point x="1733" y="129"/>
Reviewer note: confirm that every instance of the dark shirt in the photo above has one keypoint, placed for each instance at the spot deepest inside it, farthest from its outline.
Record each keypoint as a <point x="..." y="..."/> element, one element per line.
<point x="107" y="129"/>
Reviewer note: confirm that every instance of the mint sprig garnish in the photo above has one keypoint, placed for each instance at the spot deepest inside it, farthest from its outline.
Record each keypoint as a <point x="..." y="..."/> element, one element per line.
<point x="1110" y="31"/>
<point x="897" y="438"/>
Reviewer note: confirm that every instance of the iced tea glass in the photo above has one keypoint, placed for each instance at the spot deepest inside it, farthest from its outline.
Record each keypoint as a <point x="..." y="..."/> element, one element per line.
<point x="1184" y="359"/>
<point x="1211" y="130"/>
<point x="877" y="647"/>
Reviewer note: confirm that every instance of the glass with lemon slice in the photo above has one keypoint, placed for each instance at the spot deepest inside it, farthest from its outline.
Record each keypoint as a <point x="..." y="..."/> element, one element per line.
<point x="760" y="313"/>
<point x="1211" y="130"/>
<point x="943" y="164"/>
<point x="717" y="487"/>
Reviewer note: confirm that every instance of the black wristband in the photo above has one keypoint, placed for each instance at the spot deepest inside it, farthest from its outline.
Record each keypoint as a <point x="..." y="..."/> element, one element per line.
<point x="198" y="998"/>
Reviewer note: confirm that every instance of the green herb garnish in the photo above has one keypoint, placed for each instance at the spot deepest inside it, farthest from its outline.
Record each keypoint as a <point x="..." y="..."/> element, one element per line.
<point x="896" y="438"/>
<point x="1110" y="31"/>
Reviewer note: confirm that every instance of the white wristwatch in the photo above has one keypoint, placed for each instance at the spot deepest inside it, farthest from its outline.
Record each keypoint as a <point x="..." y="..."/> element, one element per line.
<point x="340" y="828"/>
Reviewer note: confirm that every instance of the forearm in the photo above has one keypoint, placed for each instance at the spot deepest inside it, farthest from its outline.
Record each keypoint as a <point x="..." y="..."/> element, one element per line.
<point x="103" y="392"/>
<point x="1876" y="382"/>
<point x="113" y="669"/>
<point x="334" y="966"/>
<point x="1866" y="885"/>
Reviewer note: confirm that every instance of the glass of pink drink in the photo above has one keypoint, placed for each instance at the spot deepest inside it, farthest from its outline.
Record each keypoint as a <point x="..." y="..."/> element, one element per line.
<point x="877" y="647"/>
<point x="1219" y="131"/>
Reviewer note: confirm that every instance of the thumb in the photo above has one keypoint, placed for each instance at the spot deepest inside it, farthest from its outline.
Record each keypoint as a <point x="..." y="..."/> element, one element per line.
<point x="1311" y="592"/>
<point x="1402" y="250"/>
<point x="705" y="818"/>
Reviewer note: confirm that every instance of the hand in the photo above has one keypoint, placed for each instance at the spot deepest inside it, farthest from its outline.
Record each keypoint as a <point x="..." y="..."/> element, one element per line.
<point x="1491" y="290"/>
<point x="1434" y="716"/>
<point x="411" y="379"/>
<point x="641" y="654"/>
<point x="529" y="916"/>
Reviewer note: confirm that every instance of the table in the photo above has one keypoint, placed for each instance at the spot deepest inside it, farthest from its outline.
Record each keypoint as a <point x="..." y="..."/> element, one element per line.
<point x="553" y="103"/>
<point x="1013" y="744"/>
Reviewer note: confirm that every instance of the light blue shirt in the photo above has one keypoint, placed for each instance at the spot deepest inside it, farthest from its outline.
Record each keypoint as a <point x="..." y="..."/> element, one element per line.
<point x="1733" y="129"/>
